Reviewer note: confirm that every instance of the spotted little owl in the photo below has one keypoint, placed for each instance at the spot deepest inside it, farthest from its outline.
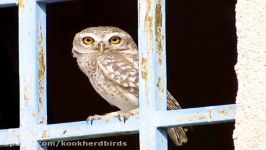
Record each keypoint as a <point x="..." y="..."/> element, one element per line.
<point x="109" y="58"/>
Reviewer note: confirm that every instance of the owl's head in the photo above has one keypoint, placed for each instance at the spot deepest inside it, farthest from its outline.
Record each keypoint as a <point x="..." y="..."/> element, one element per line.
<point x="102" y="39"/>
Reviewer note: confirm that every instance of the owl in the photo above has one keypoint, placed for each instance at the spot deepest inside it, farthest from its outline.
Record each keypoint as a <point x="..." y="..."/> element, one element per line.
<point x="108" y="56"/>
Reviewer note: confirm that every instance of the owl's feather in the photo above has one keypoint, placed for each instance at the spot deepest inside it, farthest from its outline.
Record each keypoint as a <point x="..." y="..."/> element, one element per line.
<point x="119" y="70"/>
<point x="178" y="135"/>
<point x="123" y="73"/>
<point x="114" y="73"/>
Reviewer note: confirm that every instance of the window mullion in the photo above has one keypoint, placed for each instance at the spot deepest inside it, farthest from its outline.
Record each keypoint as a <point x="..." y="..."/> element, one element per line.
<point x="151" y="42"/>
<point x="32" y="106"/>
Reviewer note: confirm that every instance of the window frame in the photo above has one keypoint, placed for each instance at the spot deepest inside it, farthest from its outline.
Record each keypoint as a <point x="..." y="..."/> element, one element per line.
<point x="34" y="129"/>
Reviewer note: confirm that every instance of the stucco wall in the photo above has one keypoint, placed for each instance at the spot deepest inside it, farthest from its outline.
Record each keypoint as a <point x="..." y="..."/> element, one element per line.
<point x="250" y="131"/>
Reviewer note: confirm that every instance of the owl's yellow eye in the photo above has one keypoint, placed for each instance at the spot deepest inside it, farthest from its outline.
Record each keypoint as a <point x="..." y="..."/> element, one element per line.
<point x="88" y="40"/>
<point x="115" y="40"/>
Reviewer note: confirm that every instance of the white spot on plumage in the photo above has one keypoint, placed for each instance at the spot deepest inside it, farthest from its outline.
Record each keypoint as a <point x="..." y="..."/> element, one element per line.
<point x="117" y="73"/>
<point x="109" y="68"/>
<point x="132" y="84"/>
<point x="132" y="79"/>
<point x="123" y="76"/>
<point x="125" y="84"/>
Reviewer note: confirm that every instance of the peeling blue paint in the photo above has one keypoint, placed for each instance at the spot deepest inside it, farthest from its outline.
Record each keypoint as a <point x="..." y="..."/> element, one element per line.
<point x="33" y="104"/>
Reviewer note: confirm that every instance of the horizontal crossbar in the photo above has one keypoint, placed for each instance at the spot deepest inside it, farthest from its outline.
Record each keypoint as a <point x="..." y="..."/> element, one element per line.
<point x="9" y="3"/>
<point x="116" y="126"/>
<point x="195" y="116"/>
<point x="9" y="137"/>
<point x="84" y="129"/>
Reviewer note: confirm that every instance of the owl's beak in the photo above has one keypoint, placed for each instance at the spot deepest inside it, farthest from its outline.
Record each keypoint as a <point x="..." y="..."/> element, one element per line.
<point x="102" y="47"/>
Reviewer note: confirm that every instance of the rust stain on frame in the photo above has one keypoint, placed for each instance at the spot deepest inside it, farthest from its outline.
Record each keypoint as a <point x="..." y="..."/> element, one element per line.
<point x="21" y="4"/>
<point x="148" y="4"/>
<point x="27" y="93"/>
<point x="148" y="30"/>
<point x="148" y="25"/>
<point x="148" y="18"/>
<point x="158" y="32"/>
<point x="144" y="72"/>
<point x="159" y="84"/>
<point x="41" y="69"/>
<point x="192" y="117"/>
<point x="33" y="114"/>
<point x="201" y="117"/>
<point x="224" y="112"/>
<point x="45" y="134"/>
<point x="144" y="75"/>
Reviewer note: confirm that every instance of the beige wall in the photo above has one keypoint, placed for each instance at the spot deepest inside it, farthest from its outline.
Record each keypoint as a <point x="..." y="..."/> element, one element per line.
<point x="250" y="131"/>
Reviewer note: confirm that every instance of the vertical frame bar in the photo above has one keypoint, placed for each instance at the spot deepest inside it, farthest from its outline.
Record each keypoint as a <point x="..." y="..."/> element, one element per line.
<point x="28" y="62"/>
<point x="151" y="41"/>
<point x="31" y="72"/>
<point x="42" y="90"/>
<point x="33" y="104"/>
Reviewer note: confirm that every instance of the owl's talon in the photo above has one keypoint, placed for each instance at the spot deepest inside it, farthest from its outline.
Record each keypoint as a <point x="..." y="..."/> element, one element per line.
<point x="125" y="116"/>
<point x="122" y="117"/>
<point x="92" y="118"/>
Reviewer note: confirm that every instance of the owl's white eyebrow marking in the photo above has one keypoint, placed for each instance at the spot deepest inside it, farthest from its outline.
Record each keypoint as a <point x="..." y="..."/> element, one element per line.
<point x="108" y="36"/>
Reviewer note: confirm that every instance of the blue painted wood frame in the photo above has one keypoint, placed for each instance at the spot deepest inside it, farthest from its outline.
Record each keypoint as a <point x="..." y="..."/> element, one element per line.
<point x="32" y="75"/>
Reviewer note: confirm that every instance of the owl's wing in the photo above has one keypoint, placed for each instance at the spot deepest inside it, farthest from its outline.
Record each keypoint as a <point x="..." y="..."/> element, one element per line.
<point x="123" y="71"/>
<point x="172" y="103"/>
<point x="178" y="134"/>
<point x="120" y="69"/>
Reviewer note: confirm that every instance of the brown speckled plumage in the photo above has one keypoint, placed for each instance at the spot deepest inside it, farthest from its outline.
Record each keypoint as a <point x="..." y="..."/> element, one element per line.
<point x="114" y="72"/>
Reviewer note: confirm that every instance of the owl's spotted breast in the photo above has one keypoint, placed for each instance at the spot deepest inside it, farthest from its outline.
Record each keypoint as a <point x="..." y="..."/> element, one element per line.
<point x="119" y="70"/>
<point x="114" y="94"/>
<point x="109" y="58"/>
